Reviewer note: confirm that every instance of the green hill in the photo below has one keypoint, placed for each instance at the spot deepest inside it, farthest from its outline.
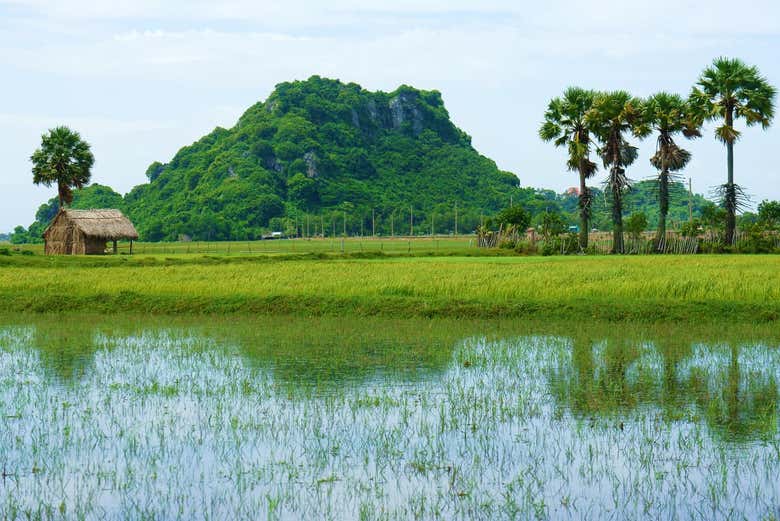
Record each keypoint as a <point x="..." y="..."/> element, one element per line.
<point x="323" y="148"/>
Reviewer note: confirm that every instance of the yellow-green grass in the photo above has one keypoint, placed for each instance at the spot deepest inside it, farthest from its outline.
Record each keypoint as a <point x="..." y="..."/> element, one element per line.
<point x="744" y="288"/>
<point x="443" y="244"/>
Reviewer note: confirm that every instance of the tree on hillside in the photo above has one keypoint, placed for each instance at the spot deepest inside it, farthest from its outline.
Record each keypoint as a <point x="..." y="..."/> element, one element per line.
<point x="565" y="125"/>
<point x="516" y="216"/>
<point x="65" y="159"/>
<point x="713" y="218"/>
<point x="726" y="90"/>
<point x="612" y="116"/>
<point x="769" y="213"/>
<point x="636" y="224"/>
<point x="669" y="114"/>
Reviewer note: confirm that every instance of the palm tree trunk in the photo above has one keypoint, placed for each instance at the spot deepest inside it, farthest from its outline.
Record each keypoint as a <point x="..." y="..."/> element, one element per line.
<point x="617" y="219"/>
<point x="663" y="204"/>
<point x="731" y="203"/>
<point x="731" y="206"/>
<point x="61" y="194"/>
<point x="584" y="210"/>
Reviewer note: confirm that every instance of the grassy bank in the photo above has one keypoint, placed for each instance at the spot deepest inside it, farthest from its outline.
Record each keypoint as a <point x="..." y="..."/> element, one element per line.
<point x="441" y="244"/>
<point x="743" y="288"/>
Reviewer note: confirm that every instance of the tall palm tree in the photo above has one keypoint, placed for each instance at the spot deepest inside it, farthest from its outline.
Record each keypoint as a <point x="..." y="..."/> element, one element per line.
<point x="565" y="125"/>
<point x="613" y="115"/>
<point x="65" y="159"/>
<point x="726" y="90"/>
<point x="669" y="114"/>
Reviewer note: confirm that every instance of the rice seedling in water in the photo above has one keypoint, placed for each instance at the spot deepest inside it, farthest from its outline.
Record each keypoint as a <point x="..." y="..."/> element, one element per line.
<point x="330" y="419"/>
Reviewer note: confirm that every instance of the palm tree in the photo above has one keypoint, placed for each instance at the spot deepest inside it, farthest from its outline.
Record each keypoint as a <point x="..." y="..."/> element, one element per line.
<point x="669" y="114"/>
<point x="65" y="159"/>
<point x="727" y="90"/>
<point x="565" y="125"/>
<point x="612" y="116"/>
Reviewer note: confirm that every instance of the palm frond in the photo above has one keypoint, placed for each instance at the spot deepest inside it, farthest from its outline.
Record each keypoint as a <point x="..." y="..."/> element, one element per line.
<point x="727" y="134"/>
<point x="732" y="197"/>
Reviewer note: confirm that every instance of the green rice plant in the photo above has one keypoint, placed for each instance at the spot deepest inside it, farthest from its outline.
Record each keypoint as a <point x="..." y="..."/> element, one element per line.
<point x="736" y="288"/>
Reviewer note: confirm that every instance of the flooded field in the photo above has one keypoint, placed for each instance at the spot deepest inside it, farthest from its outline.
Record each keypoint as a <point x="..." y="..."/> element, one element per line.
<point x="284" y="418"/>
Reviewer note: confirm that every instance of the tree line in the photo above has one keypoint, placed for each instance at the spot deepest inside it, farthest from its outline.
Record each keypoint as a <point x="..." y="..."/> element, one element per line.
<point x="586" y="121"/>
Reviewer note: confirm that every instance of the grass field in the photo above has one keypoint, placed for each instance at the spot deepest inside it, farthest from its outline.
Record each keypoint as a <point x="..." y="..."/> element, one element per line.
<point x="648" y="288"/>
<point x="444" y="244"/>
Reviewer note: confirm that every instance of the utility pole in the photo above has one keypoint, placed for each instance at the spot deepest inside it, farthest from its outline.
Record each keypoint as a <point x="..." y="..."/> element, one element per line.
<point x="373" y="223"/>
<point x="411" y="221"/>
<point x="690" y="201"/>
<point x="392" y="216"/>
<point x="345" y="223"/>
<point x="432" y="228"/>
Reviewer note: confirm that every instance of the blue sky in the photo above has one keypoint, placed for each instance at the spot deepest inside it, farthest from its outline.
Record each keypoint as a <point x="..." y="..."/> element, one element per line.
<point x="140" y="79"/>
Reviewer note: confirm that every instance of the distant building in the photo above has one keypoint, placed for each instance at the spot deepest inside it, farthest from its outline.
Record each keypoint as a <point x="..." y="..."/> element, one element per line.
<point x="86" y="232"/>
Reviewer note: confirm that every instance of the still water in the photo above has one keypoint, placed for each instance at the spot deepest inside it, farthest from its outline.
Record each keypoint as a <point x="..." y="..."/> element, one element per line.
<point x="141" y="418"/>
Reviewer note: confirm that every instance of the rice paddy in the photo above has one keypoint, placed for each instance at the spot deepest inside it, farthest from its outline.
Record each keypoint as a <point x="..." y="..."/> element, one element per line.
<point x="372" y="418"/>
<point x="706" y="287"/>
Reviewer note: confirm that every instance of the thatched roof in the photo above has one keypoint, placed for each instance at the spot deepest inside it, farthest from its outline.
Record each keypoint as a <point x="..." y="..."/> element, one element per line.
<point x="103" y="224"/>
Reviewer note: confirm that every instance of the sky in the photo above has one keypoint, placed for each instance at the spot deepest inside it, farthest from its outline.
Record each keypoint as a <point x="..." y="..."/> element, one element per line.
<point x="141" y="79"/>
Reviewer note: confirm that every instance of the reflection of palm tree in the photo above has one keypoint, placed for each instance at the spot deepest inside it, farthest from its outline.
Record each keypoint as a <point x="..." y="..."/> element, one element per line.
<point x="673" y="390"/>
<point x="602" y="387"/>
<point x="741" y="412"/>
<point x="598" y="386"/>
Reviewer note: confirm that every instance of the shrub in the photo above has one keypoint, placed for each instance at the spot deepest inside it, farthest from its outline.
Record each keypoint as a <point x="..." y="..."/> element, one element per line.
<point x="514" y="215"/>
<point x="563" y="245"/>
<point x="526" y="248"/>
<point x="636" y="224"/>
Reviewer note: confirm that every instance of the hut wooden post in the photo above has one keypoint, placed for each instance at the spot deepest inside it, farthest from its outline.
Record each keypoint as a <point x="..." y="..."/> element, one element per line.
<point x="114" y="247"/>
<point x="131" y="246"/>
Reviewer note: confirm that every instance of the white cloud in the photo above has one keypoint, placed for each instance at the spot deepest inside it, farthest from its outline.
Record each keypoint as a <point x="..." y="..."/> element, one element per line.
<point x="142" y="78"/>
<point x="717" y="17"/>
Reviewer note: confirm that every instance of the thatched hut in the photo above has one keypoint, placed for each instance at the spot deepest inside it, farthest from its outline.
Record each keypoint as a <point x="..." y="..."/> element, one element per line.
<point x="86" y="232"/>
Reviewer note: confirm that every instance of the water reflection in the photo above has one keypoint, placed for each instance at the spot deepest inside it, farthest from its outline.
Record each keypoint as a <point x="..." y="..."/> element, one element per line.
<point x="733" y="386"/>
<point x="382" y="419"/>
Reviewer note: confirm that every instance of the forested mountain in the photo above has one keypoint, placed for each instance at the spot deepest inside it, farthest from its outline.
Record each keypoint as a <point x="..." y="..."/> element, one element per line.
<point x="325" y="148"/>
<point x="322" y="154"/>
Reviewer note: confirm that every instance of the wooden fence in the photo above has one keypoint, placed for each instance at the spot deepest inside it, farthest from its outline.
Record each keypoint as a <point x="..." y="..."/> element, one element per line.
<point x="602" y="242"/>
